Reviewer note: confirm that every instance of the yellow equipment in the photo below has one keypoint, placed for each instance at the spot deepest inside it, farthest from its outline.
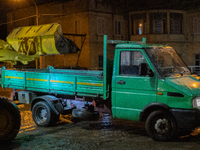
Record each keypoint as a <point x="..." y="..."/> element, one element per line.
<point x="26" y="44"/>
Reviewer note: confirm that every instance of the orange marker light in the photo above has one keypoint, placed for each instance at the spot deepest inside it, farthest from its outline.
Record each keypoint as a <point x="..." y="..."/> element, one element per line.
<point x="159" y="93"/>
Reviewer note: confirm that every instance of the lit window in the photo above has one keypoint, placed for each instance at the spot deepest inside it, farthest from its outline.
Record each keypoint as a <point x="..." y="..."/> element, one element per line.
<point x="138" y="24"/>
<point x="176" y="20"/>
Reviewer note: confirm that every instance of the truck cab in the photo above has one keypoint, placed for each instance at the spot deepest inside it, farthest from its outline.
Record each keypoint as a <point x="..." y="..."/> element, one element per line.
<point x="151" y="83"/>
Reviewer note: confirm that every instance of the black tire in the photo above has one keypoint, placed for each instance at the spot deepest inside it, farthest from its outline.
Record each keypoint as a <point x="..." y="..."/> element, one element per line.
<point x="85" y="114"/>
<point x="43" y="115"/>
<point x="161" y="126"/>
<point x="10" y="120"/>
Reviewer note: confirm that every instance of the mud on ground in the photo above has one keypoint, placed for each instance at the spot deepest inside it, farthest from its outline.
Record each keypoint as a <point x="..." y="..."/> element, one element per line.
<point x="104" y="134"/>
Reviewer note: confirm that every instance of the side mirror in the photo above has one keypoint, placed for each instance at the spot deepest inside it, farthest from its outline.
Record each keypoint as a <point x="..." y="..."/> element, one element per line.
<point x="143" y="70"/>
<point x="150" y="73"/>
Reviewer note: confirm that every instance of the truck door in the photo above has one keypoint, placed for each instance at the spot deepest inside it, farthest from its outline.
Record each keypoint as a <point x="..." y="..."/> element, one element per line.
<point x="131" y="89"/>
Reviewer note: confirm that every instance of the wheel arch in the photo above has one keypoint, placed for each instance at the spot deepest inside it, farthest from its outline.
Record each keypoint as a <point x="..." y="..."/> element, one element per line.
<point x="150" y="108"/>
<point x="47" y="98"/>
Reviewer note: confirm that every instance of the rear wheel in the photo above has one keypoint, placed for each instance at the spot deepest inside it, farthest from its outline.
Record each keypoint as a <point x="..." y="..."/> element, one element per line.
<point x="161" y="126"/>
<point x="10" y="120"/>
<point x="43" y="115"/>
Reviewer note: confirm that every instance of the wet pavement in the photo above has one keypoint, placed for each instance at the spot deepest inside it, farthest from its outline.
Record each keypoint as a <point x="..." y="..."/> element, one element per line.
<point x="104" y="134"/>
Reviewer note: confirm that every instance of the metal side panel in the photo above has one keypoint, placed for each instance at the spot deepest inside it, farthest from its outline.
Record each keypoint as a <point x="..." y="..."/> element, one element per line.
<point x="14" y="79"/>
<point x="57" y="83"/>
<point x="62" y="83"/>
<point x="36" y="80"/>
<point x="88" y="84"/>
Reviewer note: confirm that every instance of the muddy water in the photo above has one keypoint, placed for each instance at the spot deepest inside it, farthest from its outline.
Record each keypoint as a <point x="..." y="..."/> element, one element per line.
<point x="104" y="134"/>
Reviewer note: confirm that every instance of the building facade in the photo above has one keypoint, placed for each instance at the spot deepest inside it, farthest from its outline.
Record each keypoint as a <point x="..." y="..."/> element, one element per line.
<point x="82" y="17"/>
<point x="163" y="26"/>
<point x="193" y="35"/>
<point x="94" y="18"/>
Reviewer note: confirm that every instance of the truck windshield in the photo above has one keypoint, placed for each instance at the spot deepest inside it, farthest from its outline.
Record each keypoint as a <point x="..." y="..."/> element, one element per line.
<point x="167" y="61"/>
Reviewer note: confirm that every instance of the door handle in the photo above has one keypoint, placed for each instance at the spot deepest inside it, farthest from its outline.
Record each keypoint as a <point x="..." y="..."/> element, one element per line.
<point x="121" y="82"/>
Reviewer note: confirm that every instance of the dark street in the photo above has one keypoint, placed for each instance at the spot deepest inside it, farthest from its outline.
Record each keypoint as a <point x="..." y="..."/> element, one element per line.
<point x="96" y="135"/>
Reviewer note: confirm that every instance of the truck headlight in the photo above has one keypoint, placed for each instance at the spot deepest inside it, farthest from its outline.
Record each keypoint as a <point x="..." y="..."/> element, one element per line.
<point x="196" y="102"/>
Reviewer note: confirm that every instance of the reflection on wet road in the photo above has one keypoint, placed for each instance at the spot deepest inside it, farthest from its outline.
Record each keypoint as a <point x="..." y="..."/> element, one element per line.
<point x="27" y="123"/>
<point x="104" y="134"/>
<point x="105" y="122"/>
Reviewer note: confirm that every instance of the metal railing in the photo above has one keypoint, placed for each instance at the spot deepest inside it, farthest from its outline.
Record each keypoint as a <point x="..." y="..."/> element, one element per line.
<point x="195" y="69"/>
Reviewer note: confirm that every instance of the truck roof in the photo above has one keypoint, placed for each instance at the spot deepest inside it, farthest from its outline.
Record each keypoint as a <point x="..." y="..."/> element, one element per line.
<point x="140" y="46"/>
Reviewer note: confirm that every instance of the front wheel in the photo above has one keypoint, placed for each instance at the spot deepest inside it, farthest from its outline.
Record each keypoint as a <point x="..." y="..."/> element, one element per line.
<point x="161" y="126"/>
<point x="43" y="115"/>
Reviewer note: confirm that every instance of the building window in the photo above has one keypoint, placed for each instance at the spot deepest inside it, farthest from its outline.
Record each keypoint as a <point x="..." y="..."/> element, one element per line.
<point x="117" y="28"/>
<point x="158" y="23"/>
<point x="197" y="62"/>
<point x="196" y="25"/>
<point x="138" y="24"/>
<point x="77" y="26"/>
<point x="100" y="26"/>
<point x="176" y="20"/>
<point x="100" y="61"/>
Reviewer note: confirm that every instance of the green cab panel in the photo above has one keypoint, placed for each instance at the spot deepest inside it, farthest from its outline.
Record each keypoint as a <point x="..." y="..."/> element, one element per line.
<point x="173" y="95"/>
<point x="187" y="84"/>
<point x="131" y="91"/>
<point x="178" y="91"/>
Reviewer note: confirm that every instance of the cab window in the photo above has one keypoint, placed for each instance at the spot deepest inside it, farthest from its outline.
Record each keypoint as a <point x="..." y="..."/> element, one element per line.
<point x="130" y="62"/>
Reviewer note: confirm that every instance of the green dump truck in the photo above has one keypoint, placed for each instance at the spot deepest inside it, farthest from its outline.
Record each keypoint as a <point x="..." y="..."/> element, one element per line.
<point x="147" y="83"/>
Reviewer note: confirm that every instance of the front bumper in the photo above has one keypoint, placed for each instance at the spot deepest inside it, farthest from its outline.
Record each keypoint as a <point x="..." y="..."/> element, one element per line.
<point x="186" y="118"/>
